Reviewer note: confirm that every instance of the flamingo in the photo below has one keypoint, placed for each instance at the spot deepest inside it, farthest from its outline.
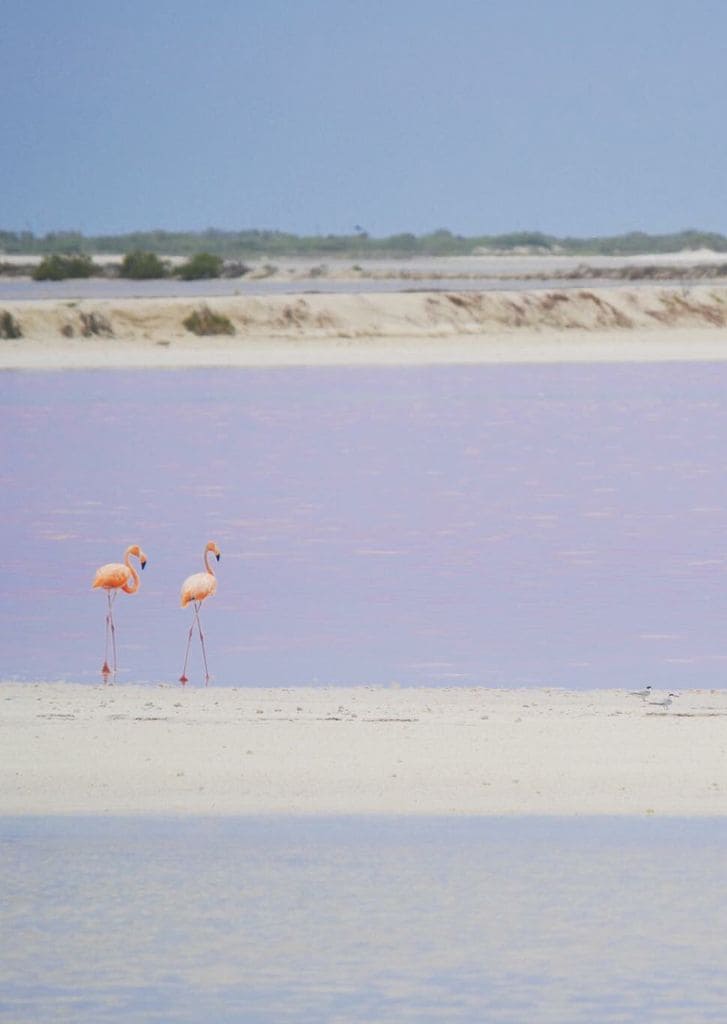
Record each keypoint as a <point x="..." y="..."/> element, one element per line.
<point x="195" y="589"/>
<point x="113" y="577"/>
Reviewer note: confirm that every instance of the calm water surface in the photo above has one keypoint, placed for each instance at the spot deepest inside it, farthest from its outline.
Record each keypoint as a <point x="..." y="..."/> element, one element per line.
<point x="14" y="289"/>
<point x="362" y="920"/>
<point x="504" y="526"/>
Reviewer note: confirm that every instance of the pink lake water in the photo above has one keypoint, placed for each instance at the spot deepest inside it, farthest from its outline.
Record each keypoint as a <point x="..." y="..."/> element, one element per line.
<point x="497" y="526"/>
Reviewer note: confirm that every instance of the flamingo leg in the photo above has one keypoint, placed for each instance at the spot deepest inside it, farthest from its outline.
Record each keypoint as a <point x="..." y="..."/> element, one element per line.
<point x="110" y="629"/>
<point x="105" y="670"/>
<point x="183" y="678"/>
<point x="112" y="598"/>
<point x="201" y="638"/>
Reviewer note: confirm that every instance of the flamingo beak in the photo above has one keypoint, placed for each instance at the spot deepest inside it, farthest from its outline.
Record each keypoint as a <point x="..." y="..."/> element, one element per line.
<point x="217" y="557"/>
<point x="143" y="564"/>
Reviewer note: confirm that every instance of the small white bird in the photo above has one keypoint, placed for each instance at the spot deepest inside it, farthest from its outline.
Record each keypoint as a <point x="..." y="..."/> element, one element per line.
<point x="644" y="694"/>
<point x="665" y="702"/>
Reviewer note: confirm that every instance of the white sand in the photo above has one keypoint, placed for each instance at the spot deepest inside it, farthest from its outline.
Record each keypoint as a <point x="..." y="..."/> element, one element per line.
<point x="72" y="749"/>
<point x="609" y="324"/>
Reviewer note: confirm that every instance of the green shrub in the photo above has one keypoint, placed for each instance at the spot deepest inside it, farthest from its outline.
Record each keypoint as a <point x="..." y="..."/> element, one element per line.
<point x="58" y="267"/>
<point x="204" y="321"/>
<point x="9" y="326"/>
<point x="142" y="266"/>
<point x="201" y="265"/>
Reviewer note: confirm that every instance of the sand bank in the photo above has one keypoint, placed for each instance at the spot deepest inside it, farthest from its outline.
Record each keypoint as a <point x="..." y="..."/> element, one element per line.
<point x="72" y="749"/>
<point x="610" y="324"/>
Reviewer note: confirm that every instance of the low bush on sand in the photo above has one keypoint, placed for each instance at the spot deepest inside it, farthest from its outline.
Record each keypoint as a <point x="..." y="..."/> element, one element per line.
<point x="200" y="266"/>
<point x="235" y="268"/>
<point x="9" y="326"/>
<point x="142" y="266"/>
<point x="205" y="321"/>
<point x="95" y="324"/>
<point x="58" y="267"/>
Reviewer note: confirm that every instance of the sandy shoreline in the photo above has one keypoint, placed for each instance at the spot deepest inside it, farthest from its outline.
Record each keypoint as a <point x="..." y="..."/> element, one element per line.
<point x="77" y="749"/>
<point x="400" y="328"/>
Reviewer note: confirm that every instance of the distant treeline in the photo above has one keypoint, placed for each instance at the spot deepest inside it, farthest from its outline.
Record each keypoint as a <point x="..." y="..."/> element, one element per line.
<point x="260" y="244"/>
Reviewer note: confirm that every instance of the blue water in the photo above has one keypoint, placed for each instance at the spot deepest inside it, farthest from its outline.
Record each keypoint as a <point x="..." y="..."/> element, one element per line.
<point x="506" y="526"/>
<point x="362" y="919"/>
<point x="21" y="289"/>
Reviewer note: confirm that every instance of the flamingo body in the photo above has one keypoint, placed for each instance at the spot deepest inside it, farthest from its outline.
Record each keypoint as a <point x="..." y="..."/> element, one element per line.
<point x="198" y="587"/>
<point x="112" y="576"/>
<point x="118" y="575"/>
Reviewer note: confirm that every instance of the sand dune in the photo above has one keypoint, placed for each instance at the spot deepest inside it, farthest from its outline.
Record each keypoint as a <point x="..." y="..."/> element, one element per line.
<point x="72" y="749"/>
<point x="411" y="327"/>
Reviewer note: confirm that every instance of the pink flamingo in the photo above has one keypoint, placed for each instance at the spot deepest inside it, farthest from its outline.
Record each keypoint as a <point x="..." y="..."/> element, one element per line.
<point x="195" y="589"/>
<point x="114" y="577"/>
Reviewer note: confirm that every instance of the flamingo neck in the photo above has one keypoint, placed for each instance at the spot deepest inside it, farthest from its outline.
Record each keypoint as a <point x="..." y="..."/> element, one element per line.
<point x="207" y="566"/>
<point x="131" y="588"/>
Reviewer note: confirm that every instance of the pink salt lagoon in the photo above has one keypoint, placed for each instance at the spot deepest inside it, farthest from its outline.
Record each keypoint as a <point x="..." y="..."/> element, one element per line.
<point x="496" y="525"/>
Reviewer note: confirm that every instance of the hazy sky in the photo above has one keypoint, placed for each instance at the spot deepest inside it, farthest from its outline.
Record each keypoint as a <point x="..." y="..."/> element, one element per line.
<point x="566" y="116"/>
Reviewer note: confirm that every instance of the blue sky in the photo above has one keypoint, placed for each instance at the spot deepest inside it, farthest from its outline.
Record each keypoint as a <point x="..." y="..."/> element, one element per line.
<point x="481" y="116"/>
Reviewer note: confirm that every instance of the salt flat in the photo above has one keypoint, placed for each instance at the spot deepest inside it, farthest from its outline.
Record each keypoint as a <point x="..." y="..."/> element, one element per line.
<point x="80" y="749"/>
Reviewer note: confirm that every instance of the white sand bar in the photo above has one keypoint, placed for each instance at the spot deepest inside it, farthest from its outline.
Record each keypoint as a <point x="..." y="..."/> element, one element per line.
<point x="80" y="749"/>
<point x="595" y="325"/>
